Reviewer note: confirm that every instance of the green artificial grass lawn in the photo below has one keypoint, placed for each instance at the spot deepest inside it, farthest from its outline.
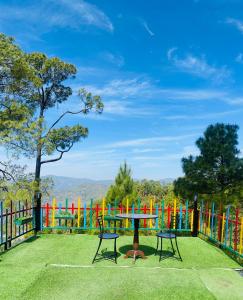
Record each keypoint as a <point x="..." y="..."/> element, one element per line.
<point x="59" y="267"/>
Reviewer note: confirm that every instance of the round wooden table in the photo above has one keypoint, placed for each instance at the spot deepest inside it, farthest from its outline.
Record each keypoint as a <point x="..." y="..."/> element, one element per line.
<point x="136" y="217"/>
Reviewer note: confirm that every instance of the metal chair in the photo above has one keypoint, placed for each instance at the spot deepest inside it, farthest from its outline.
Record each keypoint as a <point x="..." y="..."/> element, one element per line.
<point x="105" y="236"/>
<point x="170" y="234"/>
<point x="110" y="218"/>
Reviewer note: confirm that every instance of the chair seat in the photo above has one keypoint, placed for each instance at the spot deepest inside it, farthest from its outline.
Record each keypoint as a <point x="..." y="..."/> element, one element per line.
<point x="112" y="218"/>
<point x="166" y="235"/>
<point x="108" y="236"/>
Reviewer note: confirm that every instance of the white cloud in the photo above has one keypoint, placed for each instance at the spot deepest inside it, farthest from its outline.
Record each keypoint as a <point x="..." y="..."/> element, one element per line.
<point x="239" y="58"/>
<point x="194" y="94"/>
<point x="140" y="96"/>
<point x="167" y="157"/>
<point x="122" y="88"/>
<point x="202" y="116"/>
<point x="235" y="100"/>
<point x="146" y="150"/>
<point x="146" y="27"/>
<point x="90" y="154"/>
<point x="114" y="59"/>
<point x="197" y="66"/>
<point x="148" y="141"/>
<point x="144" y="89"/>
<point x="55" y="13"/>
<point x="186" y="151"/>
<point x="235" y="22"/>
<point x="125" y="108"/>
<point x="170" y="52"/>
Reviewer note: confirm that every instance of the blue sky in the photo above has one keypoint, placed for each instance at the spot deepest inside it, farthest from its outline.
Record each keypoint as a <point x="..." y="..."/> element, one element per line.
<point x="165" y="71"/>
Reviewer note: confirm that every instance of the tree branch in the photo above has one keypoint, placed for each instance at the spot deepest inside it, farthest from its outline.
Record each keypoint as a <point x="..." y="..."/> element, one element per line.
<point x="63" y="115"/>
<point x="52" y="160"/>
<point x="5" y="174"/>
<point x="18" y="146"/>
<point x="7" y="107"/>
<point x="58" y="158"/>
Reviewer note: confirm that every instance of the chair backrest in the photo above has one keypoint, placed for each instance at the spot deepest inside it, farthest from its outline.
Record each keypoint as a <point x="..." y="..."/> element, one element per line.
<point x="101" y="223"/>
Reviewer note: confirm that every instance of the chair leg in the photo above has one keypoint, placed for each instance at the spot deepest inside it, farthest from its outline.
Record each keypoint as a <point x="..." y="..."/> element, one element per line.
<point x="178" y="249"/>
<point x="97" y="251"/>
<point x="172" y="246"/>
<point x="115" y="226"/>
<point x="115" y="252"/>
<point x="160" y="256"/>
<point x="157" y="246"/>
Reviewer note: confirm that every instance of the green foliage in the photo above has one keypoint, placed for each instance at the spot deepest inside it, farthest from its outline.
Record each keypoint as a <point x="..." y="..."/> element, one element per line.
<point x="15" y="73"/>
<point x="16" y="77"/>
<point x="169" y="196"/>
<point x="30" y="85"/>
<point x="218" y="170"/>
<point x="63" y="138"/>
<point x="50" y="73"/>
<point x="19" y="186"/>
<point x="123" y="188"/>
<point x="150" y="189"/>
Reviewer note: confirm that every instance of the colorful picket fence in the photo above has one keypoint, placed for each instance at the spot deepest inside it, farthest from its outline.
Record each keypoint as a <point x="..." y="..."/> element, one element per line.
<point x="9" y="230"/>
<point x="83" y="215"/>
<point x="223" y="227"/>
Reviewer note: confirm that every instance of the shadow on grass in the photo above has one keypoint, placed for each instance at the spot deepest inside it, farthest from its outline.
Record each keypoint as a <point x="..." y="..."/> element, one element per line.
<point x="17" y="242"/>
<point x="167" y="254"/>
<point x="32" y="239"/>
<point x="106" y="255"/>
<point x="146" y="249"/>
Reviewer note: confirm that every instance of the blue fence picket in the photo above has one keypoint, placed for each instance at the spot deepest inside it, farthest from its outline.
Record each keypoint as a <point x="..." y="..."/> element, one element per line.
<point x="180" y="219"/>
<point x="59" y="211"/>
<point x="85" y="214"/>
<point x="41" y="218"/>
<point x="133" y="211"/>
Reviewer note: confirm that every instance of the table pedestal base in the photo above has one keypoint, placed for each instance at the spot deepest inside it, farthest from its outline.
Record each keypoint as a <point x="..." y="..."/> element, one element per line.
<point x="134" y="254"/>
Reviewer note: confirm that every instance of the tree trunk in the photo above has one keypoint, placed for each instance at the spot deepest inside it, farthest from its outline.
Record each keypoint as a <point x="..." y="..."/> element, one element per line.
<point x="37" y="195"/>
<point x="38" y="166"/>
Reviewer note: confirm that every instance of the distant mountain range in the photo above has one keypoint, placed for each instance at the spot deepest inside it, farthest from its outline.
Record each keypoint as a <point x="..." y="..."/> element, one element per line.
<point x="72" y="188"/>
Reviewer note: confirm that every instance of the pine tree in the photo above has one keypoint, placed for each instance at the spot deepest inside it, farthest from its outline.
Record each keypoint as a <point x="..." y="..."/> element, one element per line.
<point x="218" y="170"/>
<point x="123" y="188"/>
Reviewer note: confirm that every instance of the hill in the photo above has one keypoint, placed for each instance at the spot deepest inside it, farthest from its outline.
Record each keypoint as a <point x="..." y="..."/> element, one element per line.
<point x="72" y="188"/>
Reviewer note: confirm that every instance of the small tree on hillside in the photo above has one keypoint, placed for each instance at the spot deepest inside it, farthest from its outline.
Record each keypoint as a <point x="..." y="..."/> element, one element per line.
<point x="123" y="188"/>
<point x="217" y="170"/>
<point x="151" y="189"/>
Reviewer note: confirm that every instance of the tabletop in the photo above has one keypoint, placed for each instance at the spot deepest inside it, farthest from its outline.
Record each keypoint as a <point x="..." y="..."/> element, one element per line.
<point x="136" y="216"/>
